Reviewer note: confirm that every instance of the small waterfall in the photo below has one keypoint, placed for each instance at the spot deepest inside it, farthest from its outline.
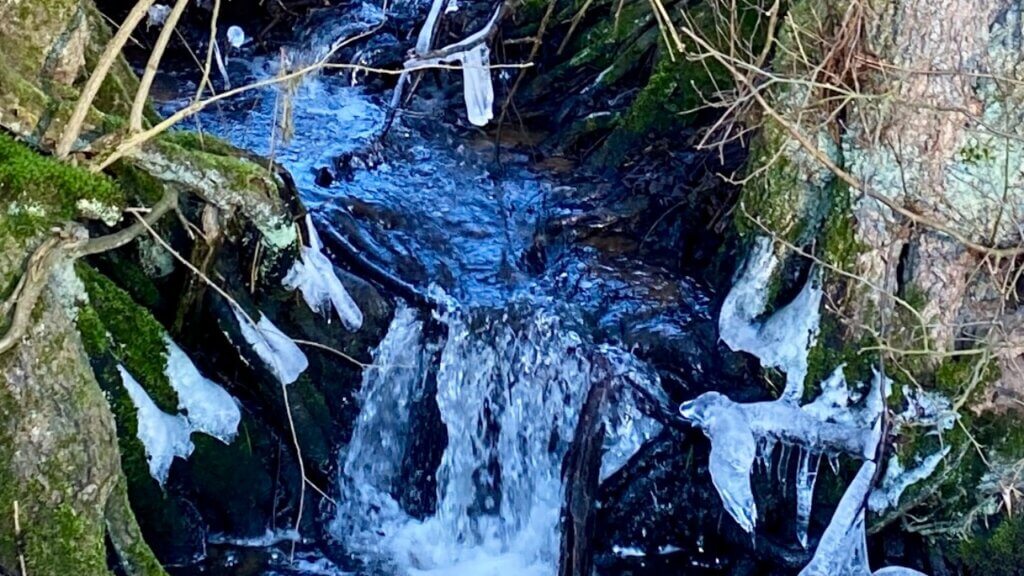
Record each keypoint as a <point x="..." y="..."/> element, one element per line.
<point x="509" y="389"/>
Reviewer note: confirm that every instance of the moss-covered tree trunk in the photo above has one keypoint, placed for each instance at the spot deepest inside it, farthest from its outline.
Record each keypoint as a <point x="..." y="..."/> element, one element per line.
<point x="892" y="154"/>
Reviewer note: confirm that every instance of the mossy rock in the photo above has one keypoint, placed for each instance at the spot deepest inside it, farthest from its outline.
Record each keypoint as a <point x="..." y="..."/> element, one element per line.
<point x="116" y="324"/>
<point x="38" y="192"/>
<point x="50" y="48"/>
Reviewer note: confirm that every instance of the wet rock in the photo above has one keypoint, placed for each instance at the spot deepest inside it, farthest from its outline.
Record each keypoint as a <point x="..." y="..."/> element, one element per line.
<point x="324" y="178"/>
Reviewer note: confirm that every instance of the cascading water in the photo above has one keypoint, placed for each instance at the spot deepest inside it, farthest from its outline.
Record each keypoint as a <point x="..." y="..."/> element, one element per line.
<point x="507" y="380"/>
<point x="510" y="386"/>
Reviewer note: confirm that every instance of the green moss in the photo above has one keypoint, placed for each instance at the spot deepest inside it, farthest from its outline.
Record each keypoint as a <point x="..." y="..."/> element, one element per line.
<point x="835" y="347"/>
<point x="201" y="142"/>
<point x="241" y="173"/>
<point x="135" y="338"/>
<point x="956" y="374"/>
<point x="774" y="197"/>
<point x="678" y="85"/>
<point x="39" y="191"/>
<point x="139" y="186"/>
<point x="92" y="331"/>
<point x="840" y="246"/>
<point x="998" y="553"/>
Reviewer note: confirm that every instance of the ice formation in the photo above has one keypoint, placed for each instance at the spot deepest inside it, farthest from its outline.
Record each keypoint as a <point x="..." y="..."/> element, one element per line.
<point x="733" y="449"/>
<point x="897" y="479"/>
<point x="279" y="352"/>
<point x="472" y="54"/>
<point x="784" y="338"/>
<point x="842" y="550"/>
<point x="164" y="436"/>
<point x="209" y="407"/>
<point x="477" y="87"/>
<point x="313" y="274"/>
<point x="426" y="35"/>
<point x="237" y="37"/>
<point x="157" y="15"/>
<point x="476" y="83"/>
<point x="806" y="476"/>
<point x="838" y="421"/>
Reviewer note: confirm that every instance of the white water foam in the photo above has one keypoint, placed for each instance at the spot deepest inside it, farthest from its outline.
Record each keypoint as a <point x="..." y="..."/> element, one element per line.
<point x="509" y="394"/>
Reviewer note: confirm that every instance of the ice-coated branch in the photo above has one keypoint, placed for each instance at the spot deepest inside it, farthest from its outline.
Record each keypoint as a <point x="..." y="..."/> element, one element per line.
<point x="472" y="53"/>
<point x="842" y="550"/>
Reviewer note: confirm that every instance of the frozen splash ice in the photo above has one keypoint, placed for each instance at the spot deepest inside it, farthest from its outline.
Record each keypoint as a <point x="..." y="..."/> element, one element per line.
<point x="164" y="436"/>
<point x="510" y="385"/>
<point x="783" y="339"/>
<point x="281" y="355"/>
<point x="210" y="408"/>
<point x="313" y="274"/>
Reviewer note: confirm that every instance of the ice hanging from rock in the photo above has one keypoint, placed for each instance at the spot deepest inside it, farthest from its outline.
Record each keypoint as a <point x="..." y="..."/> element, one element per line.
<point x="164" y="436"/>
<point x="209" y="407"/>
<point x="279" y="352"/>
<point x="783" y="339"/>
<point x="313" y="274"/>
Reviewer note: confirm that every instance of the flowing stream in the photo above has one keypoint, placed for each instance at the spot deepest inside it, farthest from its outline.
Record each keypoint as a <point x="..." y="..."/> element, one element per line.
<point x="502" y="381"/>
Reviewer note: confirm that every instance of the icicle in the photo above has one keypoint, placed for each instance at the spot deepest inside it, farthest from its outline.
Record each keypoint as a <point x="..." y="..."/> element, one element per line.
<point x="782" y="474"/>
<point x="426" y="35"/>
<point x="838" y="551"/>
<point x="278" y="351"/>
<point x="313" y="274"/>
<point x="732" y="453"/>
<point x="842" y="550"/>
<point x="210" y="408"/>
<point x="479" y="92"/>
<point x="163" y="436"/>
<point x="805" y="480"/>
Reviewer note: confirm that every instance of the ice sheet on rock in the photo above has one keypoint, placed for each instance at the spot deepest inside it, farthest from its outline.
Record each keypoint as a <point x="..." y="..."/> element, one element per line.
<point x="313" y="274"/>
<point x="733" y="450"/>
<point x="209" y="407"/>
<point x="162" y="435"/>
<point x="279" y="352"/>
<point x="783" y="339"/>
<point x="897" y="479"/>
<point x="627" y="427"/>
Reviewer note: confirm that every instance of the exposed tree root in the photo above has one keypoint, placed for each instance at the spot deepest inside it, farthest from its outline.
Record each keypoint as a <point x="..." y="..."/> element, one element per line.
<point x="68" y="245"/>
